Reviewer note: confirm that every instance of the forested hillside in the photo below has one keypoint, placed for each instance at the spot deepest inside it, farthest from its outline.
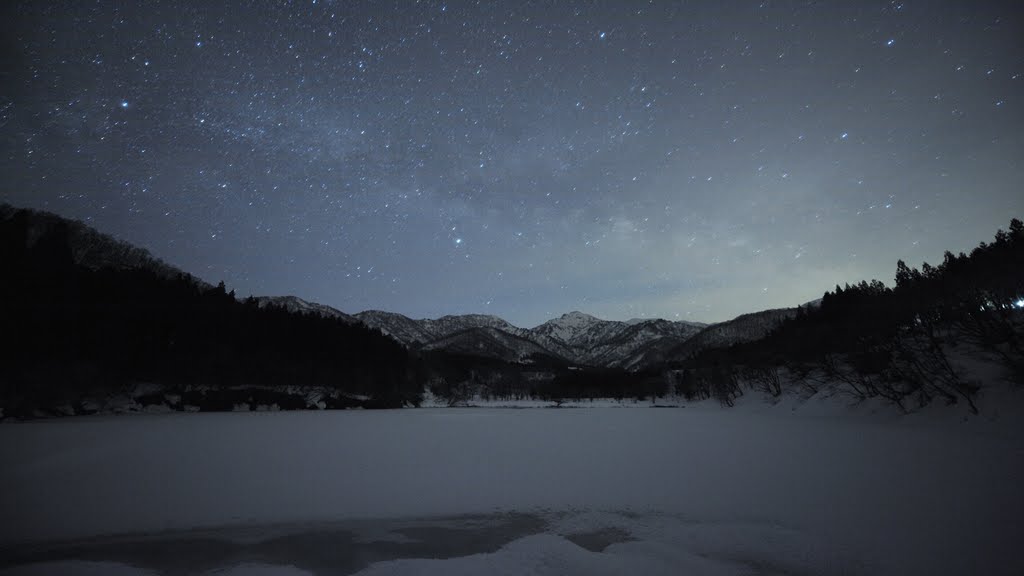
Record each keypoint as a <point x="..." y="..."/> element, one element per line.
<point x="75" y="330"/>
<point x="918" y="341"/>
<point x="90" y="317"/>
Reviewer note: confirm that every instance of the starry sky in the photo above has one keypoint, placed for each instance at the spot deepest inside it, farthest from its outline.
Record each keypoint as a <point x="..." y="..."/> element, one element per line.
<point x="685" y="160"/>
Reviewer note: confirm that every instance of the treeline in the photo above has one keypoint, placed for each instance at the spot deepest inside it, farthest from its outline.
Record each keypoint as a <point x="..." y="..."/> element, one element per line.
<point x="901" y="343"/>
<point x="89" y="323"/>
<point x="72" y="331"/>
<point x="458" y="379"/>
<point x="90" y="318"/>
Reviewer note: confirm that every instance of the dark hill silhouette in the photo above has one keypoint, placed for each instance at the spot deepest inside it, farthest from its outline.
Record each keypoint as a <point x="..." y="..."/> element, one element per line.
<point x="88" y="315"/>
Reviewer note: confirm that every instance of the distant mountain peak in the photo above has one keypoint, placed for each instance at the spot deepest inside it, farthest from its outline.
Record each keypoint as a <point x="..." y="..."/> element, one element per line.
<point x="580" y="315"/>
<point x="572" y="319"/>
<point x="576" y="336"/>
<point x="422" y="332"/>
<point x="300" y="306"/>
<point x="481" y="318"/>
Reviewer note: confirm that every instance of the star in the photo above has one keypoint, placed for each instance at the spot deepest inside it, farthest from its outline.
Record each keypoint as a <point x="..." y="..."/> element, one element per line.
<point x="675" y="170"/>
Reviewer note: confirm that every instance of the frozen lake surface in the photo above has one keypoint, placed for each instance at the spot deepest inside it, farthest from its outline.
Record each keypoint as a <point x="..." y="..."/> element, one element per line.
<point x="702" y="490"/>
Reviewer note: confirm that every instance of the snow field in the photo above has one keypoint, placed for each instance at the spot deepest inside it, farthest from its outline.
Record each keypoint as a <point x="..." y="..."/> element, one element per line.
<point x="700" y="490"/>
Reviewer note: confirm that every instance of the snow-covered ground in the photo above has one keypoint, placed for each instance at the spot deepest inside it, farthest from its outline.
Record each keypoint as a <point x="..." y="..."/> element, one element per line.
<point x="813" y="489"/>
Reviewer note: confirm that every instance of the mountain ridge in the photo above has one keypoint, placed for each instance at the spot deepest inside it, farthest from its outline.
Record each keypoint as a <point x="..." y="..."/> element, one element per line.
<point x="301" y="306"/>
<point x="575" y="338"/>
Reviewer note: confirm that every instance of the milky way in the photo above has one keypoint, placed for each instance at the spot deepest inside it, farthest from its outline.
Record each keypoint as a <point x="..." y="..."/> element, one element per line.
<point x="679" y="160"/>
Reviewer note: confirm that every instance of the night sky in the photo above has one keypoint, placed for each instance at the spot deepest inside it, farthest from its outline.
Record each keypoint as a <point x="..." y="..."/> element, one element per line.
<point x="656" y="159"/>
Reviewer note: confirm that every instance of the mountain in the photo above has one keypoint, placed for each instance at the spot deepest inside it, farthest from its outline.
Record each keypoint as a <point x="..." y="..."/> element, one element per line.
<point x="574" y="329"/>
<point x="490" y="342"/>
<point x="597" y="342"/>
<point x="573" y="338"/>
<point x="743" y="328"/>
<point x="418" y="333"/>
<point x="402" y="328"/>
<point x="498" y="338"/>
<point x="619" y="350"/>
<point x="576" y="338"/>
<point x="300" y="306"/>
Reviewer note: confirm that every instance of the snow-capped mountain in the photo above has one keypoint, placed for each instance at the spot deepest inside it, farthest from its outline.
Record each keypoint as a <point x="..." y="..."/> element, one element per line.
<point x="298" y="305"/>
<point x="574" y="329"/>
<point x="743" y="328"/>
<point x="599" y="342"/>
<point x="618" y="350"/>
<point x="577" y="338"/>
<point x="490" y="342"/>
<point x="418" y="333"/>
<point x="574" y="338"/>
<point x="402" y="328"/>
